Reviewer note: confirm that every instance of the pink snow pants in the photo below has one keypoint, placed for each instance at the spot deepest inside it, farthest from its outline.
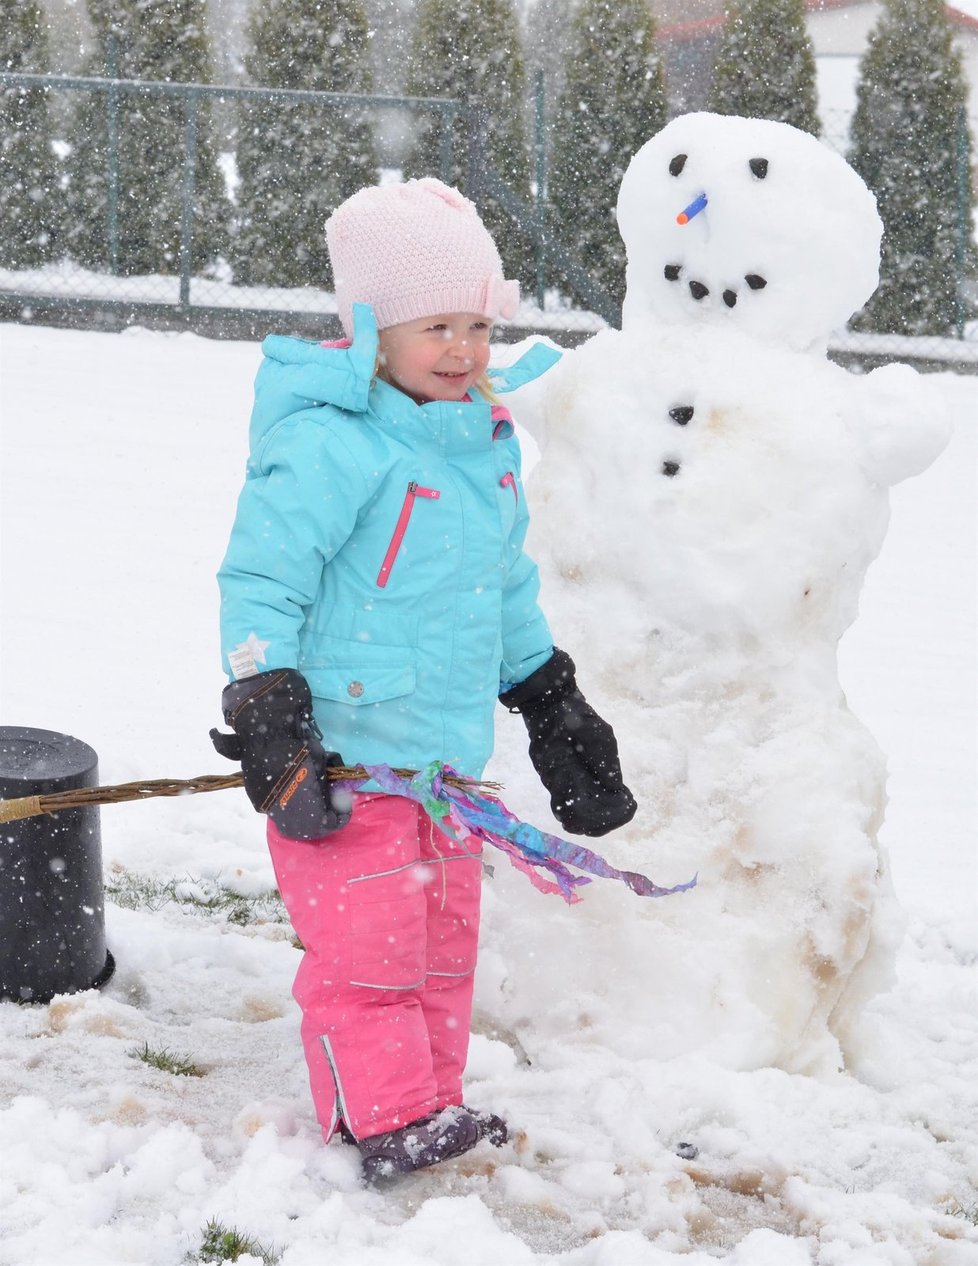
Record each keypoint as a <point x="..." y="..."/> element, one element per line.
<point x="387" y="911"/>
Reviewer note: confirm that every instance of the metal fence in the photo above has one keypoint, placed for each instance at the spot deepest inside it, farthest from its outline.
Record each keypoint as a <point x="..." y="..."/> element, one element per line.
<point x="64" y="292"/>
<point x="211" y="302"/>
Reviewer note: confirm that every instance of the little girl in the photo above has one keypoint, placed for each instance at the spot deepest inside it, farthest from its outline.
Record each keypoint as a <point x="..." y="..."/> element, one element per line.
<point x="375" y="601"/>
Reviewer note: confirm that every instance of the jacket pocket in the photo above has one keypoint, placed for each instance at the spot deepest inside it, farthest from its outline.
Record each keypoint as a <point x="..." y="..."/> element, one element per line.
<point x="362" y="684"/>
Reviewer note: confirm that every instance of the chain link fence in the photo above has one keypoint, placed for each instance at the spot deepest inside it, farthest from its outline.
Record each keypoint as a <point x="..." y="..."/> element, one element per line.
<point x="187" y="294"/>
<point x="183" y="294"/>
<point x="208" y="298"/>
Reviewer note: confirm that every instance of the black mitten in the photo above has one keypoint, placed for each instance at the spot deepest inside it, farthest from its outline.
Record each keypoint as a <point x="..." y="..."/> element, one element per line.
<point x="283" y="762"/>
<point x="572" y="749"/>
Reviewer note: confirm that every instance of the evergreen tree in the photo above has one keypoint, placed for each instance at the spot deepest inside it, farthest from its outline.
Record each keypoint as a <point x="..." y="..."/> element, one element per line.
<point x="548" y="37"/>
<point x="911" y="146"/>
<point x="391" y="22"/>
<point x="472" y="49"/>
<point x="297" y="163"/>
<point x="159" y="40"/>
<point x="29" y="194"/>
<point x="613" y="100"/>
<point x="765" y="67"/>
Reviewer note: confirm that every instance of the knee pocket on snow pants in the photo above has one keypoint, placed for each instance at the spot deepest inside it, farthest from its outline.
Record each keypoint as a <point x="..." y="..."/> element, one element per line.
<point x="386" y="918"/>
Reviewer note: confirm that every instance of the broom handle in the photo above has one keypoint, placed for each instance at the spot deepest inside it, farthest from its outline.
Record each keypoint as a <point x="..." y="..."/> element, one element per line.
<point x="22" y="807"/>
<point x="117" y="793"/>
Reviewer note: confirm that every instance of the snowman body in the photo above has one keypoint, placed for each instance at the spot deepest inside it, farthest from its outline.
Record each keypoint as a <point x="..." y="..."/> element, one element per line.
<point x="710" y="494"/>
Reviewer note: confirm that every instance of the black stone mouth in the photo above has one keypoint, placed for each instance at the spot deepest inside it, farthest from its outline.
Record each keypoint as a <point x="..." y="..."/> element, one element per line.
<point x="699" y="290"/>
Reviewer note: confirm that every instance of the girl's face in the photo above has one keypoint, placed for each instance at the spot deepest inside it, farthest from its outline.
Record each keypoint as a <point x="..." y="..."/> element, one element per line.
<point x="436" y="358"/>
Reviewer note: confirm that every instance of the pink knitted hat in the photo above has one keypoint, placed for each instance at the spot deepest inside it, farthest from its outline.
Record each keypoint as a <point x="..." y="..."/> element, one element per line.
<point x="415" y="250"/>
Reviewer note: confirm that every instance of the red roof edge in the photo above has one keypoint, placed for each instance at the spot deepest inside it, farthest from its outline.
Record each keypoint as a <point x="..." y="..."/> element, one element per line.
<point x="814" y="6"/>
<point x="690" y="30"/>
<point x="961" y="19"/>
<point x="701" y="27"/>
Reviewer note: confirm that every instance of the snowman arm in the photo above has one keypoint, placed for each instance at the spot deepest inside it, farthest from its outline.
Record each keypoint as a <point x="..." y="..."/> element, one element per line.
<point x="895" y="416"/>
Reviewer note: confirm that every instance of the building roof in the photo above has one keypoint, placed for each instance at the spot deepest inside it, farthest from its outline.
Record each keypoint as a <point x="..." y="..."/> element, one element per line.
<point x="964" y="13"/>
<point x="702" y="18"/>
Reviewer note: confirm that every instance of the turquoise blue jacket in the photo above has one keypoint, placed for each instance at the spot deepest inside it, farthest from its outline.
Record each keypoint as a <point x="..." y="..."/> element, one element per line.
<point x="378" y="549"/>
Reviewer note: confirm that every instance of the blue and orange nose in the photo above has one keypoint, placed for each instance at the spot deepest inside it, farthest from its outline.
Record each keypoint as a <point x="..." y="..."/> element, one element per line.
<point x="694" y="208"/>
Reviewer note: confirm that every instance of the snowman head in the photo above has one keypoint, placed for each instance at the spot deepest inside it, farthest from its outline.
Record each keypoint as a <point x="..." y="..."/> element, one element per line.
<point x="749" y="224"/>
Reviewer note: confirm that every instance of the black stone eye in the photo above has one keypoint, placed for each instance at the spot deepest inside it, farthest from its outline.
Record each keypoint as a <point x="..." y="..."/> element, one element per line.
<point x="755" y="282"/>
<point x="698" y="290"/>
<point x="682" y="414"/>
<point x="677" y="164"/>
<point x="670" y="468"/>
<point x="671" y="272"/>
<point x="759" y="167"/>
<point x="730" y="298"/>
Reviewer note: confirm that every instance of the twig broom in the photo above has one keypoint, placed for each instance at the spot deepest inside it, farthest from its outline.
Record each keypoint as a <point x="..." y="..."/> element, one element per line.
<point x="118" y="793"/>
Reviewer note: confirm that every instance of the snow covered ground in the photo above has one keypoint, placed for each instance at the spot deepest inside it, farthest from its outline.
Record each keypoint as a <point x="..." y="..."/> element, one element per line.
<point x="120" y="462"/>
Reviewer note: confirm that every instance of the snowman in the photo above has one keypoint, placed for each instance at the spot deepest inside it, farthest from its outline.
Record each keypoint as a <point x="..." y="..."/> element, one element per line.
<point x="710" y="493"/>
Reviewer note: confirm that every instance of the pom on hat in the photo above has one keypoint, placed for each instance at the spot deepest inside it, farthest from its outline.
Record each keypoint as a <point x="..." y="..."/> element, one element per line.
<point x="414" y="250"/>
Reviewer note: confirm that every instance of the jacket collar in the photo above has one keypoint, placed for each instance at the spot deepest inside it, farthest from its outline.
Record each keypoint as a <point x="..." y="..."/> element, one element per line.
<point x="449" y="425"/>
<point x="298" y="374"/>
<point x="536" y="360"/>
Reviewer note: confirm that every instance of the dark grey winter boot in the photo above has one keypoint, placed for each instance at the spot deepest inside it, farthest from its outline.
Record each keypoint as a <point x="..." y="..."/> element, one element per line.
<point x="491" y="1127"/>
<point x="441" y="1135"/>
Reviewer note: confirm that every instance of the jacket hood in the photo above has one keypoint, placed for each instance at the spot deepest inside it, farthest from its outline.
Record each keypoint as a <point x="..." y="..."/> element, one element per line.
<point x="301" y="374"/>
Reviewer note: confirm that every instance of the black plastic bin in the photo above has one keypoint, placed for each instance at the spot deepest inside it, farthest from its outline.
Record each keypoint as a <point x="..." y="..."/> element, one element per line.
<point x="52" y="917"/>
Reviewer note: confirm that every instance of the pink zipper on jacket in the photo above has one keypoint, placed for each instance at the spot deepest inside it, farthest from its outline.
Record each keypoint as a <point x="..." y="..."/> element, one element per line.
<point x="414" y="490"/>
<point x="509" y="481"/>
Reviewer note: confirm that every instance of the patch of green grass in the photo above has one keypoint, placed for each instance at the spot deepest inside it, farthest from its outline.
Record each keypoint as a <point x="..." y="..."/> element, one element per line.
<point x="141" y="892"/>
<point x="226" y="1244"/>
<point x="969" y="1213"/>
<point x="138" y="892"/>
<point x="166" y="1061"/>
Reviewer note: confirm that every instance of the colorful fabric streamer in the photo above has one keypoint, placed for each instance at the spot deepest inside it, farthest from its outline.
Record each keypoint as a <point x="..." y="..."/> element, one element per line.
<point x="463" y="811"/>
